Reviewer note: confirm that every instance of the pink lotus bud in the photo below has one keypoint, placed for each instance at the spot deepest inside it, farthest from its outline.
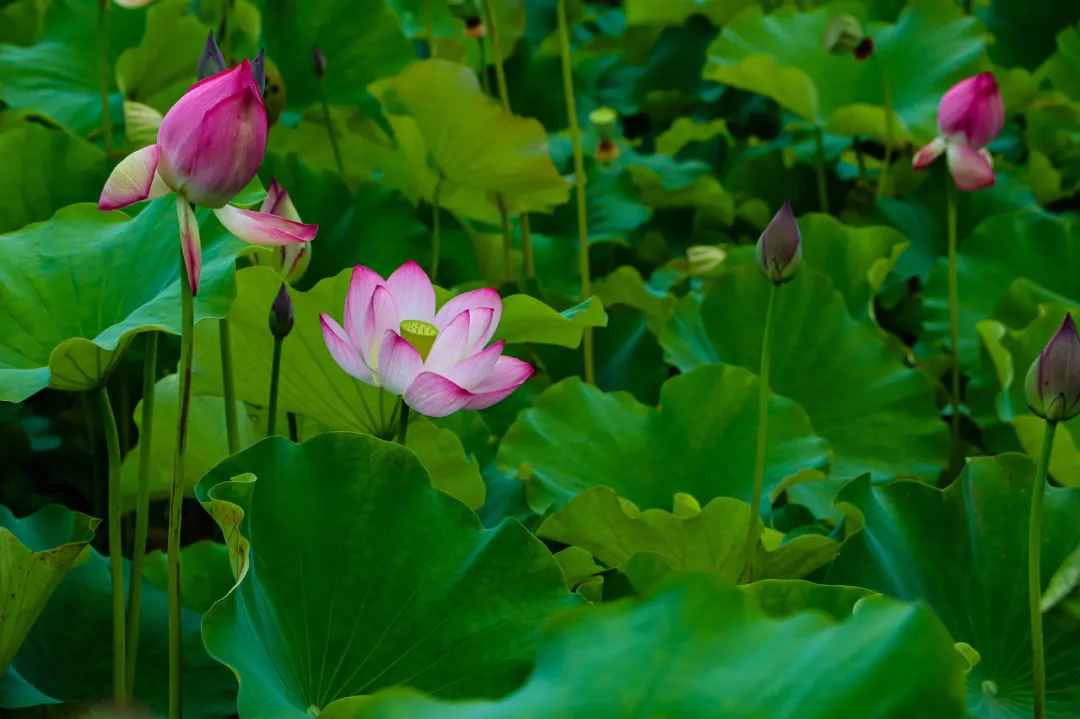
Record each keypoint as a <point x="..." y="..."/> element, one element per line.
<point x="972" y="110"/>
<point x="213" y="139"/>
<point x="437" y="361"/>
<point x="1053" y="381"/>
<point x="779" y="249"/>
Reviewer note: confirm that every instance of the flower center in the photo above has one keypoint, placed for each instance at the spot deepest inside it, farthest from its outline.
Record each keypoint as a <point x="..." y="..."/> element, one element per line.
<point x="421" y="335"/>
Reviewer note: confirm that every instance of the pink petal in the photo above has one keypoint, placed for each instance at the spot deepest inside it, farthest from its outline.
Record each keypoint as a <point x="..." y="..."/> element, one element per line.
<point x="507" y="375"/>
<point x="450" y="346"/>
<point x="362" y="284"/>
<point x="189" y="242"/>
<point x="413" y="292"/>
<point x="381" y="315"/>
<point x="399" y="363"/>
<point x="343" y="350"/>
<point x="262" y="228"/>
<point x="279" y="203"/>
<point x="928" y="153"/>
<point x="131" y="180"/>
<point x="972" y="109"/>
<point x="971" y="169"/>
<point x="474" y="299"/>
<point x="473" y="370"/>
<point x="435" y="396"/>
<point x="481" y="321"/>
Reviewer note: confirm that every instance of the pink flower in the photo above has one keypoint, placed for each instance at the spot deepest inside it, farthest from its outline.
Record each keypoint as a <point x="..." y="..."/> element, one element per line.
<point x="970" y="116"/>
<point x="210" y="144"/>
<point x="290" y="259"/>
<point x="393" y="338"/>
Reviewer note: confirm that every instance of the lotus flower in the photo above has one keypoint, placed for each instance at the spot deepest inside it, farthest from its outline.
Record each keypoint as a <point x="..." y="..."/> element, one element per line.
<point x="1053" y="381"/>
<point x="779" y="249"/>
<point x="970" y="116"/>
<point x="209" y="146"/>
<point x="291" y="259"/>
<point x="436" y="361"/>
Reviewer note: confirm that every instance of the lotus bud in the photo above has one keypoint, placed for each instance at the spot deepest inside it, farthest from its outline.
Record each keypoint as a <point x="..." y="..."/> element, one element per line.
<point x="864" y="49"/>
<point x="318" y="62"/>
<point x="972" y="110"/>
<point x="1053" y="381"/>
<point x="703" y="259"/>
<point x="474" y="27"/>
<point x="779" y="249"/>
<point x="258" y="69"/>
<point x="843" y="35"/>
<point x="281" y="313"/>
<point x="141" y="123"/>
<point x="213" y="139"/>
<point x="211" y="61"/>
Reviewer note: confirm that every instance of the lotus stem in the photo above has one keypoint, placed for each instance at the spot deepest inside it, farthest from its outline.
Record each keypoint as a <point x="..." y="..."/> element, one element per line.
<point x="330" y="132"/>
<point x="176" y="493"/>
<point x="142" y="506"/>
<point x="579" y="183"/>
<point x="116" y="554"/>
<point x="819" y="165"/>
<point x="294" y="427"/>
<point x="435" y="236"/>
<point x="1038" y="491"/>
<point x="103" y="72"/>
<point x="275" y="377"/>
<point x="762" y="434"/>
<point x="403" y="426"/>
<point x="954" y="314"/>
<point x="228" y="385"/>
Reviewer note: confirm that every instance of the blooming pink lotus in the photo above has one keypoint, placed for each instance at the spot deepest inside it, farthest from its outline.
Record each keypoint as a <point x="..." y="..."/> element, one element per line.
<point x="210" y="144"/>
<point x="970" y="116"/>
<point x="436" y="361"/>
<point x="290" y="259"/>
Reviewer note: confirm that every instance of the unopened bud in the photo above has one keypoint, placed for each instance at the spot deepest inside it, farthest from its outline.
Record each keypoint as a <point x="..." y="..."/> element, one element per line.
<point x="474" y="27"/>
<point x="607" y="151"/>
<point x="843" y="35"/>
<point x="779" y="249"/>
<point x="864" y="49"/>
<point x="211" y="61"/>
<point x="318" y="61"/>
<point x="258" y="68"/>
<point x="703" y="259"/>
<point x="281" y="313"/>
<point x="1053" y="381"/>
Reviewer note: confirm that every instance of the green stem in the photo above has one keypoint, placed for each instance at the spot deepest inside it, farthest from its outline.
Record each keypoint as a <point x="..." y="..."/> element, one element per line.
<point x="508" y="238"/>
<point x="228" y="385"/>
<point x="886" y="89"/>
<point x="579" y="181"/>
<point x="294" y="426"/>
<point x="176" y="493"/>
<point x="822" y="189"/>
<point x="116" y="554"/>
<point x="331" y="133"/>
<point x="484" y="82"/>
<point x="762" y="435"/>
<point x="403" y="426"/>
<point x="142" y="505"/>
<point x="1038" y="661"/>
<point x="275" y="376"/>
<point x="435" y="236"/>
<point x="954" y="313"/>
<point x="103" y="71"/>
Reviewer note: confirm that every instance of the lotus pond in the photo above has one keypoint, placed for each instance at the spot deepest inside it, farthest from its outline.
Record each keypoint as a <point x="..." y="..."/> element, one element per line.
<point x="548" y="359"/>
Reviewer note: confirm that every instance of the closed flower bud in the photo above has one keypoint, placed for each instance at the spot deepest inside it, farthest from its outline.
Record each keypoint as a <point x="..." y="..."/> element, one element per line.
<point x="281" y="313"/>
<point x="779" y="249"/>
<point x="1053" y="381"/>
<point x="211" y="61"/>
<point x="703" y="259"/>
<point x="474" y="27"/>
<point x="843" y="35"/>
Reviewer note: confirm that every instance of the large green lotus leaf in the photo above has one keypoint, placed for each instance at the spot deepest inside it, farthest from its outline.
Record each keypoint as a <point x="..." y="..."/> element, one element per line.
<point x="207" y="440"/>
<point x="963" y="550"/>
<point x="67" y="656"/>
<point x="876" y="414"/>
<point x="77" y="287"/>
<point x="1002" y="249"/>
<point x="22" y="21"/>
<point x="479" y="146"/>
<point x="354" y="575"/>
<point x="675" y="12"/>
<point x="1064" y="65"/>
<point x="527" y="319"/>
<point x="443" y="456"/>
<point x="781" y="55"/>
<point x="58" y="75"/>
<point x="1024" y="31"/>
<point x="162" y="67"/>
<point x="699" y="649"/>
<point x="692" y="538"/>
<point x="79" y="263"/>
<point x="362" y="41"/>
<point x="35" y="554"/>
<point x="700" y="441"/>
<point x="45" y="169"/>
<point x="779" y="598"/>
<point x="205" y="577"/>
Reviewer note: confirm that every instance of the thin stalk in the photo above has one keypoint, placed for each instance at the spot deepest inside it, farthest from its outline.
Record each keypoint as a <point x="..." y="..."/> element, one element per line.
<point x="330" y="131"/>
<point x="886" y="89"/>
<point x="579" y="181"/>
<point x="103" y="72"/>
<point x="142" y="506"/>
<point x="228" y="386"/>
<point x="762" y="433"/>
<point x="819" y="164"/>
<point x="116" y="553"/>
<point x="294" y="427"/>
<point x="1038" y="661"/>
<point x="954" y="312"/>
<point x="275" y="376"/>
<point x="485" y="83"/>
<point x="403" y="426"/>
<point x="435" y="236"/>
<point x="508" y="237"/>
<point x="176" y="494"/>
